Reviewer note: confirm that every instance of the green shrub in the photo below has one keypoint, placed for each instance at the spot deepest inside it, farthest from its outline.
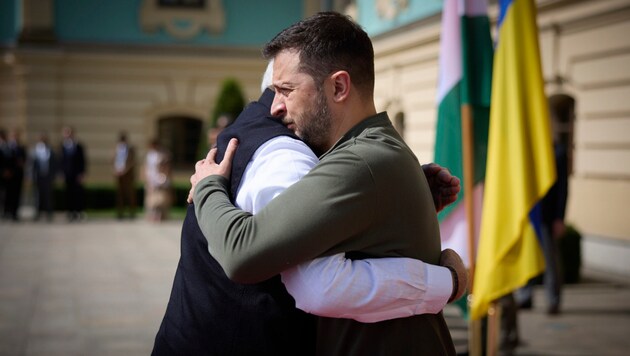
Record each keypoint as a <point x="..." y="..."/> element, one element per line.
<point x="230" y="101"/>
<point x="571" y="255"/>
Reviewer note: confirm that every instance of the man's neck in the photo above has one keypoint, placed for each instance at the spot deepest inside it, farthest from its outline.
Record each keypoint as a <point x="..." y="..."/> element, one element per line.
<point x="349" y="116"/>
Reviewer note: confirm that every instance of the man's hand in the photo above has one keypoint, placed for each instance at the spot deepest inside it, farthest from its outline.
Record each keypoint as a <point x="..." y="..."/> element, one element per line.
<point x="207" y="167"/>
<point x="444" y="186"/>
<point x="451" y="260"/>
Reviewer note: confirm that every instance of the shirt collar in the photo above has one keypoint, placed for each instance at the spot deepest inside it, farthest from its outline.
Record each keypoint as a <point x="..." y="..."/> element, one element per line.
<point x="379" y="120"/>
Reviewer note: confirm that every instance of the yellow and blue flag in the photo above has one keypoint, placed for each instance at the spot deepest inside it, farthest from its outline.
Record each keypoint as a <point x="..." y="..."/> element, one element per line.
<point x="520" y="166"/>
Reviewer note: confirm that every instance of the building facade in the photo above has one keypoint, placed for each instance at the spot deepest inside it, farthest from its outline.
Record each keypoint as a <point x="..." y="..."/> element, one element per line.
<point x="152" y="68"/>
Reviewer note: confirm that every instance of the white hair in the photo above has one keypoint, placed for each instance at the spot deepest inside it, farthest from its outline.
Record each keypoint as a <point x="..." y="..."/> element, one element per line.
<point x="266" y="80"/>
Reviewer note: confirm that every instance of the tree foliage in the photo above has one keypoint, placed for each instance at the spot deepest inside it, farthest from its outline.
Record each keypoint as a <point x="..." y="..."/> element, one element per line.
<point x="230" y="101"/>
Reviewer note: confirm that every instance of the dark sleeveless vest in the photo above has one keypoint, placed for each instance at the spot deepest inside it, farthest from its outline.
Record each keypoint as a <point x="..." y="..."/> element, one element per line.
<point x="207" y="313"/>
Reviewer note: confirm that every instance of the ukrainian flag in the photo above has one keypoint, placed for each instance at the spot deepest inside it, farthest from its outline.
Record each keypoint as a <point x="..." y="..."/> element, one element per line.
<point x="520" y="165"/>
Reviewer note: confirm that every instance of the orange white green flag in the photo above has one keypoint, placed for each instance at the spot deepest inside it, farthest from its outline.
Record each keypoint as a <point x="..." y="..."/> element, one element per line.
<point x="465" y="78"/>
<point x="520" y="165"/>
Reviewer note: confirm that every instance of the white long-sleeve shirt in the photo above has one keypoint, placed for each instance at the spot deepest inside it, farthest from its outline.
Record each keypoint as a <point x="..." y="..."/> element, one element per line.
<point x="368" y="290"/>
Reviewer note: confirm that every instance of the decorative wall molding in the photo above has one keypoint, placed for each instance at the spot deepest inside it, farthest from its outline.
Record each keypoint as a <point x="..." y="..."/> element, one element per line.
<point x="390" y="9"/>
<point x="183" y="22"/>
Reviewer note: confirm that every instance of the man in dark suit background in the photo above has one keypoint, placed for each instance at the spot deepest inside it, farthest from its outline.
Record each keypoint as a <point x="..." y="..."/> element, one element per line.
<point x="15" y="158"/>
<point x="553" y="205"/>
<point x="74" y="164"/>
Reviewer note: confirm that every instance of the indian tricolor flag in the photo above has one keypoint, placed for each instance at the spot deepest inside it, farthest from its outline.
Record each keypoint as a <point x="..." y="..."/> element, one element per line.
<point x="520" y="166"/>
<point x="465" y="80"/>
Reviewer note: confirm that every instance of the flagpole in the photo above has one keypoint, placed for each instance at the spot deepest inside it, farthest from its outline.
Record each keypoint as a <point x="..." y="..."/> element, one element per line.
<point x="469" y="177"/>
<point x="474" y="334"/>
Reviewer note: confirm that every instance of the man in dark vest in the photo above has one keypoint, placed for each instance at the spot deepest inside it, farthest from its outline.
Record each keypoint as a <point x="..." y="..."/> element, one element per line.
<point x="209" y="314"/>
<point x="366" y="197"/>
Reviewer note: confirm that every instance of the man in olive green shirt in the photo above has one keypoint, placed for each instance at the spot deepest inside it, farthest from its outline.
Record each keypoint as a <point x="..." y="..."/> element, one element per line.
<point x="367" y="197"/>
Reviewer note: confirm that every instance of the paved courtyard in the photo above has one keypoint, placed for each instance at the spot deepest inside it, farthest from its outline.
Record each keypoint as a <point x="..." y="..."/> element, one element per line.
<point x="100" y="287"/>
<point x="90" y="288"/>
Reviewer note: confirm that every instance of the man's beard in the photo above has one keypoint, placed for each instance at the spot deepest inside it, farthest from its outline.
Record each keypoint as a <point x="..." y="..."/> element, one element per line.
<point x="317" y="125"/>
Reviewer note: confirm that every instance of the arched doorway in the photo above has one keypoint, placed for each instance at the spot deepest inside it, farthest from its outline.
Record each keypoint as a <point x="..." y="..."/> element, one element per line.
<point x="181" y="136"/>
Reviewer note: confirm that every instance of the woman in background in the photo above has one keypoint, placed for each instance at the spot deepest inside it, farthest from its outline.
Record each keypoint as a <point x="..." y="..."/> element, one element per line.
<point x="157" y="182"/>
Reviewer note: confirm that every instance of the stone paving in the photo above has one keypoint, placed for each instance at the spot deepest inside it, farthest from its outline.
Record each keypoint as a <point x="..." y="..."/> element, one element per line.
<point x="89" y="288"/>
<point x="100" y="287"/>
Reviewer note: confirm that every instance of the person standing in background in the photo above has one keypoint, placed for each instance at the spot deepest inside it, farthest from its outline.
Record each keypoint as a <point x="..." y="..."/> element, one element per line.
<point x="157" y="182"/>
<point x="14" y="175"/>
<point x="125" y="173"/>
<point x="553" y="205"/>
<point x="44" y="169"/>
<point x="3" y="162"/>
<point x="74" y="166"/>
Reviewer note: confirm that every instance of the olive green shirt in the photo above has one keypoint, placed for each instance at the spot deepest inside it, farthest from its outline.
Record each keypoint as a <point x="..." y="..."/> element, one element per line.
<point x="368" y="194"/>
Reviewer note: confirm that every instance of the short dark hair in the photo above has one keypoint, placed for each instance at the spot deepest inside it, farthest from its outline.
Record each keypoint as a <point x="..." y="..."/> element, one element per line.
<point x="327" y="42"/>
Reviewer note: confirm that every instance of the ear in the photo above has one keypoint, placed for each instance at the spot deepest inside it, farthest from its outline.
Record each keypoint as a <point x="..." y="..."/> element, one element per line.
<point x="341" y="82"/>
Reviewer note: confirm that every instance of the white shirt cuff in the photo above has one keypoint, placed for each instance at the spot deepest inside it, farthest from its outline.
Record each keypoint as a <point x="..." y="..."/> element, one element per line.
<point x="440" y="287"/>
